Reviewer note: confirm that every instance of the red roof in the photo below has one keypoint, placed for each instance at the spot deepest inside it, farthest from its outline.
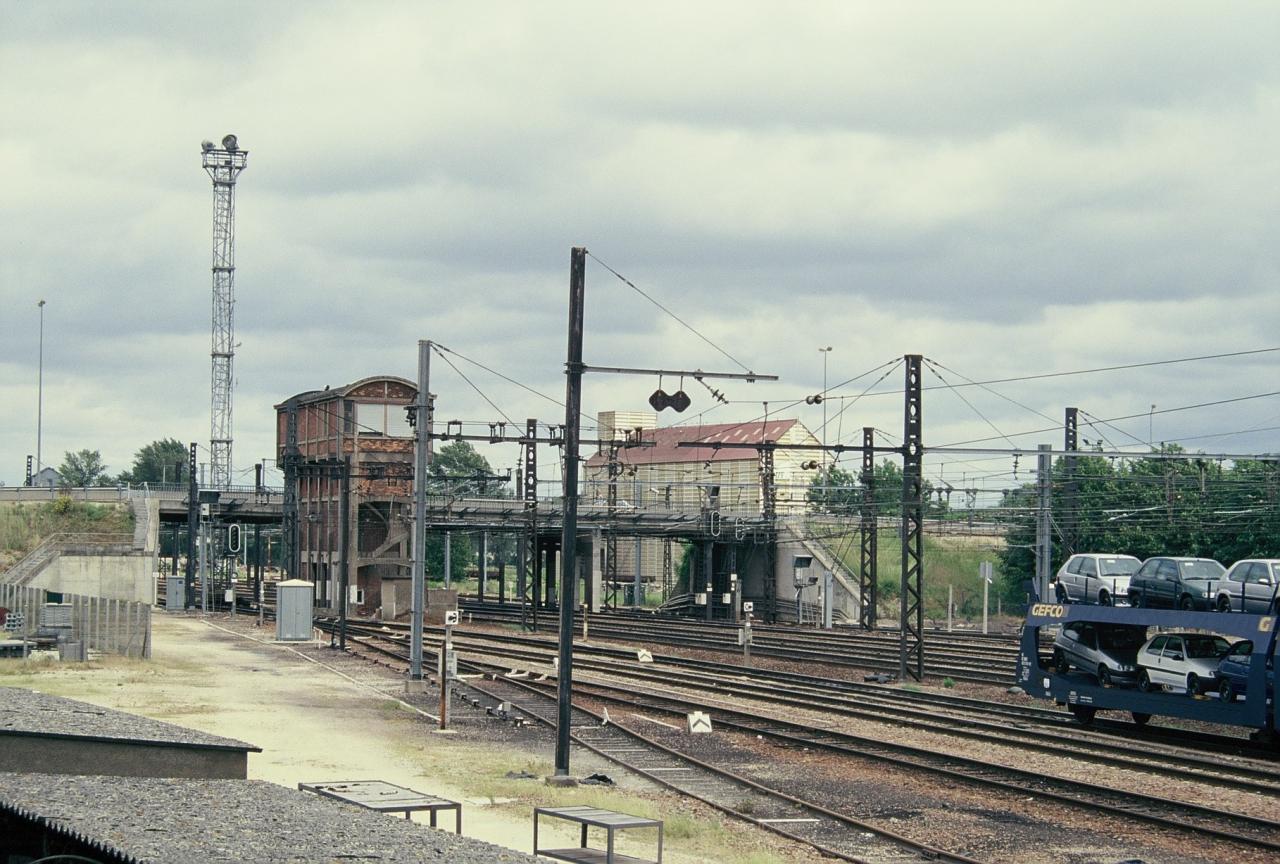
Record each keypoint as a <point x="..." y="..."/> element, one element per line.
<point x="665" y="441"/>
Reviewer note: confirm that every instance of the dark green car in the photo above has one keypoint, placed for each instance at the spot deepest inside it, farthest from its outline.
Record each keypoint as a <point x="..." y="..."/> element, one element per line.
<point x="1176" y="583"/>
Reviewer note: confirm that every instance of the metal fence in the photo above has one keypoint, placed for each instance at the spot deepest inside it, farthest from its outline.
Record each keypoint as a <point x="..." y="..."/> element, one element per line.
<point x="100" y="624"/>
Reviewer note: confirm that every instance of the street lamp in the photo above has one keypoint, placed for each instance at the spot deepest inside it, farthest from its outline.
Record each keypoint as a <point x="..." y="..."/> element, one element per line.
<point x="40" y="391"/>
<point x="825" y="352"/>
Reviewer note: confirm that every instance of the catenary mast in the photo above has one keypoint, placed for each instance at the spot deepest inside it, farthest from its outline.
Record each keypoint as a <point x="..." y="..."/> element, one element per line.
<point x="224" y="165"/>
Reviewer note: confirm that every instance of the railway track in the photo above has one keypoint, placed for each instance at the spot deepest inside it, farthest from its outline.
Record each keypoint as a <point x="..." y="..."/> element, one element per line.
<point x="970" y="658"/>
<point x="831" y="833"/>
<point x="1254" y="832"/>
<point x="920" y="708"/>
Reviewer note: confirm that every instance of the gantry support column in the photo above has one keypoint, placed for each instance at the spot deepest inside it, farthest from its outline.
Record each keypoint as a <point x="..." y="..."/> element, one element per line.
<point x="911" y="606"/>
<point x="868" y="589"/>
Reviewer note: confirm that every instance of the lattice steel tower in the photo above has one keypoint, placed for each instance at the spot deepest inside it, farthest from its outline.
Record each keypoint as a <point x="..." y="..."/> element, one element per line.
<point x="224" y="166"/>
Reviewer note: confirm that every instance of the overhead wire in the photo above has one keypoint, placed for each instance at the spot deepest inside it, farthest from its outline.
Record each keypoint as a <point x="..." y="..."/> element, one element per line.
<point x="960" y="396"/>
<point x="681" y="321"/>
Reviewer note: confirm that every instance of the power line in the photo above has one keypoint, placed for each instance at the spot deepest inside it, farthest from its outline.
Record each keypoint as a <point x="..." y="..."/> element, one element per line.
<point x="960" y="396"/>
<point x="1129" y="417"/>
<point x="498" y="374"/>
<point x="683" y="323"/>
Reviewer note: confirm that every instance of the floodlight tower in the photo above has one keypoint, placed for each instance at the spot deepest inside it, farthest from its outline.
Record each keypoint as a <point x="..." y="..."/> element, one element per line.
<point x="224" y="165"/>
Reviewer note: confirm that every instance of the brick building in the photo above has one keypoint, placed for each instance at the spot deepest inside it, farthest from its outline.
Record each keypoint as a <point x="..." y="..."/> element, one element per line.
<point x="669" y="477"/>
<point x="365" y="422"/>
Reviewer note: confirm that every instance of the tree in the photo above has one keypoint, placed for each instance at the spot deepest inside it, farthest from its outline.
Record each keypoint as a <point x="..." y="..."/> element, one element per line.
<point x="83" y="468"/>
<point x="1147" y="507"/>
<point x="458" y="470"/>
<point x="841" y="492"/>
<point x="157" y="462"/>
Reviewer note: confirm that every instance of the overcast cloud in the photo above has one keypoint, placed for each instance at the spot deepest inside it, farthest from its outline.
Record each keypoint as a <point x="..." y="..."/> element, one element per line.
<point x="1007" y="189"/>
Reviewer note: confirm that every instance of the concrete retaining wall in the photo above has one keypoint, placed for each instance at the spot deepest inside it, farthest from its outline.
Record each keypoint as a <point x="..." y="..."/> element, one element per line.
<point x="116" y="577"/>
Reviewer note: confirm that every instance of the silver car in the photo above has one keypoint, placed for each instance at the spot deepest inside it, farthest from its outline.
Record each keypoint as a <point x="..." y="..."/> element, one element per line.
<point x="1092" y="577"/>
<point x="1249" y="586"/>
<point x="1108" y="652"/>
<point x="1183" y="661"/>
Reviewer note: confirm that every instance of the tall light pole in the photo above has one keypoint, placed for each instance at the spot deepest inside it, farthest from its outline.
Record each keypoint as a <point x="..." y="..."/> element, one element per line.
<point x="825" y="353"/>
<point x="1150" y="426"/>
<point x="223" y="165"/>
<point x="40" y="390"/>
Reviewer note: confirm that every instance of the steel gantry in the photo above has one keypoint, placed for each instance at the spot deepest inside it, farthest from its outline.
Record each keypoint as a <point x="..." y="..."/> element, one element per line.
<point x="867" y="577"/>
<point x="289" y="510"/>
<point x="911" y="605"/>
<point x="530" y="572"/>
<point x="223" y="165"/>
<point x="1071" y="492"/>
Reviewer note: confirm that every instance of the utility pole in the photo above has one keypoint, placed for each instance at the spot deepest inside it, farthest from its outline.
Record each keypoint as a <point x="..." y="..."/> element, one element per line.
<point x="1071" y="494"/>
<point x="40" y="392"/>
<point x="569" y="534"/>
<point x="868" y="534"/>
<point x="193" y="526"/>
<point x="826" y="352"/>
<point x="344" y="523"/>
<point x="223" y="166"/>
<point x="911" y="606"/>
<point x="289" y="507"/>
<point x="1044" y="542"/>
<point x="422" y="463"/>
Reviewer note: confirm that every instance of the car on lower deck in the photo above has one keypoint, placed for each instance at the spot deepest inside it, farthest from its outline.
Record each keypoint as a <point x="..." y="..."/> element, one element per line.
<point x="1108" y="652"/>
<point x="1176" y="583"/>
<point x="1233" y="671"/>
<point x="1249" y="586"/>
<point x="1092" y="577"/>
<point x="1183" y="661"/>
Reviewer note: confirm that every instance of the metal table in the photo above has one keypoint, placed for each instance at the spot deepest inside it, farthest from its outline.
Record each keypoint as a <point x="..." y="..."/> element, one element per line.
<point x="386" y="798"/>
<point x="594" y="817"/>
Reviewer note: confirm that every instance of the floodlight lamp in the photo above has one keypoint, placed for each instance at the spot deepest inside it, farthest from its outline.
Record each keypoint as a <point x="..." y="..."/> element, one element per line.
<point x="229" y="143"/>
<point x="206" y="145"/>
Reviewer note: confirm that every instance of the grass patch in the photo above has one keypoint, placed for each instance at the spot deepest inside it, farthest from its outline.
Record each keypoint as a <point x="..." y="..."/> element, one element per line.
<point x="24" y="525"/>
<point x="948" y="561"/>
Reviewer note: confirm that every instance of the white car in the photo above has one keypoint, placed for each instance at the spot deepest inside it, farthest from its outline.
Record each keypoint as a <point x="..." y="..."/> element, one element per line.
<point x="1183" y="661"/>
<point x="1091" y="577"/>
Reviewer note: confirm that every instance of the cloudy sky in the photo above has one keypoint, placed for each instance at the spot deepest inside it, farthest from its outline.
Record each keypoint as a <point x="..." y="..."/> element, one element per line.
<point x="1008" y="189"/>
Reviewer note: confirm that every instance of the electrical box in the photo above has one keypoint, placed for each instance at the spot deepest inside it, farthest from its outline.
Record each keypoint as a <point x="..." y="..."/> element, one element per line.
<point x="295" y="599"/>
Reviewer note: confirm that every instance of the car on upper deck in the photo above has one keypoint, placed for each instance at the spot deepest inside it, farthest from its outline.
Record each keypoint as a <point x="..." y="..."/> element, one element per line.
<point x="1176" y="583"/>
<point x="1092" y="577"/>
<point x="1249" y="586"/>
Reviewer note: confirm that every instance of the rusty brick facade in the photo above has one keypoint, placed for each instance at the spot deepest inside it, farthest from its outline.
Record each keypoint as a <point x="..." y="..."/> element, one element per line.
<point x="364" y="422"/>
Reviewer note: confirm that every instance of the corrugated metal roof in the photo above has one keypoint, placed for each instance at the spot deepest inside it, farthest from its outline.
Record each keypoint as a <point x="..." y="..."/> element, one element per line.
<point x="666" y="441"/>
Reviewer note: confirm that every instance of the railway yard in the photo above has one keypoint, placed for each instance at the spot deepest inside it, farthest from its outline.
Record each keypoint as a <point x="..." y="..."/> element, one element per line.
<point x="805" y="748"/>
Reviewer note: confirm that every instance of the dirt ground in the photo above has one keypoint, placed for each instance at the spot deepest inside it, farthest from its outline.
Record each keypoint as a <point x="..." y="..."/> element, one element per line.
<point x="319" y="715"/>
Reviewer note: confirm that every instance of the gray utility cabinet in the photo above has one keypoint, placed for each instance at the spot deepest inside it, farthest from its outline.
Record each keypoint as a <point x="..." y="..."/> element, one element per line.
<point x="175" y="593"/>
<point x="294" y="601"/>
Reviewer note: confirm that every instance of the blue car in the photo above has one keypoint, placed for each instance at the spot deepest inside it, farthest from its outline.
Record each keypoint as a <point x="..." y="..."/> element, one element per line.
<point x="1233" y="671"/>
